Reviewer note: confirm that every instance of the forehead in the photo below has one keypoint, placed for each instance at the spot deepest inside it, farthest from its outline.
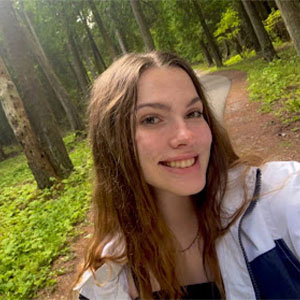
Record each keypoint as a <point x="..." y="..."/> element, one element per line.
<point x="165" y="83"/>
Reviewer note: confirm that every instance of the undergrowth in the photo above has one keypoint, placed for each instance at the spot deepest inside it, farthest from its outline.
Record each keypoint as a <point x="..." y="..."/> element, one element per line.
<point x="276" y="85"/>
<point x="36" y="224"/>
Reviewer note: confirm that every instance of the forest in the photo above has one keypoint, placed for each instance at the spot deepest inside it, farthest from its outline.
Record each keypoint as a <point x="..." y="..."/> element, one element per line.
<point x="50" y="54"/>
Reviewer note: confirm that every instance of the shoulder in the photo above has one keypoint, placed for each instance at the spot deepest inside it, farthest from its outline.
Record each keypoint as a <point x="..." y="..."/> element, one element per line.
<point x="280" y="201"/>
<point x="277" y="177"/>
<point x="280" y="172"/>
<point x="108" y="282"/>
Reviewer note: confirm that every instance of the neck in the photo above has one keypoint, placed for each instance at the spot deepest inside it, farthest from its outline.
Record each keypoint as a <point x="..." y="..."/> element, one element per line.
<point x="180" y="215"/>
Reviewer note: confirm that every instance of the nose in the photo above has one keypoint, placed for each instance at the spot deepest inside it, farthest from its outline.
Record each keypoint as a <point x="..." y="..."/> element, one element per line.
<point x="181" y="135"/>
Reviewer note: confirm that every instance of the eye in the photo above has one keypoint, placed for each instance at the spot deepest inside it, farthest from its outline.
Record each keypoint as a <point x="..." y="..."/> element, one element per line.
<point x="195" y="114"/>
<point x="150" y="120"/>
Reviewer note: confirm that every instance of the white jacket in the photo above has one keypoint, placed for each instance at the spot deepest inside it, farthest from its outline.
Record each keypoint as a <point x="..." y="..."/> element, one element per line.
<point x="259" y="255"/>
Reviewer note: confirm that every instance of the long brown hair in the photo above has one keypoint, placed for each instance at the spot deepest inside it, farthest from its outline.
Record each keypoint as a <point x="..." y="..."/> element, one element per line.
<point x="124" y="209"/>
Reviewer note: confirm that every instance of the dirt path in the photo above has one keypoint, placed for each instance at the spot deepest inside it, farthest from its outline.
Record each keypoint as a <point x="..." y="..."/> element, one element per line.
<point x="251" y="133"/>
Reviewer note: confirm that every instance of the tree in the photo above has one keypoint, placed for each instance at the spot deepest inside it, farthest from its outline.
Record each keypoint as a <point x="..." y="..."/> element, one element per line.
<point x="41" y="117"/>
<point x="210" y="39"/>
<point x="97" y="55"/>
<point x="118" y="27"/>
<point x="108" y="41"/>
<point x="60" y="91"/>
<point x="228" y="29"/>
<point x="268" y="50"/>
<point x="76" y="61"/>
<point x="290" y="12"/>
<point x="206" y="53"/>
<point x="261" y="9"/>
<point x="2" y="153"/>
<point x="141" y="20"/>
<point x="13" y="107"/>
<point x="247" y="27"/>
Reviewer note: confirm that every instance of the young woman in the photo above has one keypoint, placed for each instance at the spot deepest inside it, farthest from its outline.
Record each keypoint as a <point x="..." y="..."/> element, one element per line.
<point x="178" y="215"/>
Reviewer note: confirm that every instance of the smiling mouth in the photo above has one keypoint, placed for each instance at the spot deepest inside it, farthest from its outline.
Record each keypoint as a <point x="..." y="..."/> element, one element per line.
<point x="181" y="164"/>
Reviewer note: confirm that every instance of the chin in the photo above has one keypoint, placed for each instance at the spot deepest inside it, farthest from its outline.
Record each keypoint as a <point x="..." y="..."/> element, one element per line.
<point x="188" y="190"/>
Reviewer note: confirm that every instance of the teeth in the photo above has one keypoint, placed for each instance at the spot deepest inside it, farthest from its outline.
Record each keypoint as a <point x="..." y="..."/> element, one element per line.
<point x="181" y="163"/>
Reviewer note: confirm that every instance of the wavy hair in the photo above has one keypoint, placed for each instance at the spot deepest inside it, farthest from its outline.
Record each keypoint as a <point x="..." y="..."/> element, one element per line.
<point x="124" y="208"/>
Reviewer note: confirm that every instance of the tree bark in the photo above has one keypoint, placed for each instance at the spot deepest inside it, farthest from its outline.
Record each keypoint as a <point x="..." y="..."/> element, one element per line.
<point x="2" y="153"/>
<point x="60" y="92"/>
<point x="97" y="55"/>
<point x="118" y="28"/>
<point x="121" y="41"/>
<point x="141" y="20"/>
<point x="268" y="50"/>
<point x="113" y="52"/>
<point x="12" y="104"/>
<point x="206" y="53"/>
<point x="78" y="66"/>
<point x="261" y="9"/>
<point x="37" y="108"/>
<point x="248" y="27"/>
<point x="290" y="12"/>
<point x="210" y="39"/>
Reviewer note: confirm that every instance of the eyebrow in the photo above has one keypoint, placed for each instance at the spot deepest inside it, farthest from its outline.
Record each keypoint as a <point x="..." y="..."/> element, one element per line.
<point x="164" y="106"/>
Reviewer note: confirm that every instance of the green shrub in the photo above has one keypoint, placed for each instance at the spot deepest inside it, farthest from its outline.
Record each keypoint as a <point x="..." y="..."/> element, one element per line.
<point x="36" y="224"/>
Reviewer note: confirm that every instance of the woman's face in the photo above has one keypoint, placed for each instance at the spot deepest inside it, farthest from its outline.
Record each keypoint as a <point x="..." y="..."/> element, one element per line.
<point x="172" y="138"/>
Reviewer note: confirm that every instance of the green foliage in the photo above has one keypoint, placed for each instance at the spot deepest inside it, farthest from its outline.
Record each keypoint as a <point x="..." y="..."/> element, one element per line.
<point x="276" y="85"/>
<point x="237" y="58"/>
<point x="275" y="27"/>
<point x="229" y="26"/>
<point x="36" y="224"/>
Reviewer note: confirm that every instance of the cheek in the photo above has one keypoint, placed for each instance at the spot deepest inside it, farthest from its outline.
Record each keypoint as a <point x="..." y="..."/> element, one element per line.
<point x="204" y="136"/>
<point x="146" y="146"/>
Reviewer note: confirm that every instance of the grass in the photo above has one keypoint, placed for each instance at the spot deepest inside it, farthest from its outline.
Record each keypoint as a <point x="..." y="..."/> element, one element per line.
<point x="36" y="224"/>
<point x="275" y="85"/>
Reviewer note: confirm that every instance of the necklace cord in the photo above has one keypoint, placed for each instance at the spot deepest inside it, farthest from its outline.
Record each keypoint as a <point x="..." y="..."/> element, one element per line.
<point x="192" y="243"/>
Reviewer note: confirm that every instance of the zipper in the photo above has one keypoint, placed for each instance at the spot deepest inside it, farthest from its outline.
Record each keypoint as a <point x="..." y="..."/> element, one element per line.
<point x="247" y="212"/>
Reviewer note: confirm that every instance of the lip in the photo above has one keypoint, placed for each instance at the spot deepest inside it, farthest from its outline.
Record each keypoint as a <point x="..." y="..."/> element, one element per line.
<point x="180" y="157"/>
<point x="184" y="171"/>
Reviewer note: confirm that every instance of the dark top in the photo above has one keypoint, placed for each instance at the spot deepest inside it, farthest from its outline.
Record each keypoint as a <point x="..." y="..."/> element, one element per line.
<point x="207" y="290"/>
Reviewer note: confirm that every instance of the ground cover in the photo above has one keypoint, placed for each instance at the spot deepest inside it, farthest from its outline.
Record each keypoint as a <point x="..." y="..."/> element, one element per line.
<point x="35" y="225"/>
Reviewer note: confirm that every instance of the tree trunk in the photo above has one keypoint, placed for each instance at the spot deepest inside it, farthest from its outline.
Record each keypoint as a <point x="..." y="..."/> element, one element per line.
<point x="90" y="65"/>
<point x="227" y="48"/>
<point x="2" y="153"/>
<point x="268" y="50"/>
<point x="290" y="12"/>
<point x="72" y="68"/>
<point x="206" y="53"/>
<point x="210" y="39"/>
<point x="12" y="104"/>
<point x="59" y="90"/>
<point x="272" y="4"/>
<point x="41" y="117"/>
<point x="78" y="66"/>
<point x="118" y="28"/>
<point x="113" y="52"/>
<point x="248" y="27"/>
<point x="141" y="20"/>
<point x="97" y="55"/>
<point x="121" y="41"/>
<point x="261" y="9"/>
